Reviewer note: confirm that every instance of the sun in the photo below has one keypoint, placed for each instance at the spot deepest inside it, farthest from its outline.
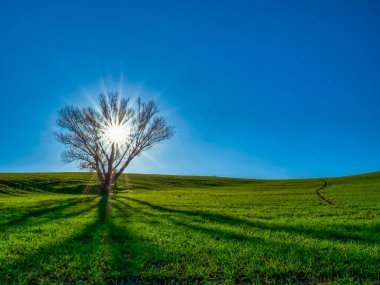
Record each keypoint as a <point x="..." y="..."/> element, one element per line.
<point x="116" y="133"/>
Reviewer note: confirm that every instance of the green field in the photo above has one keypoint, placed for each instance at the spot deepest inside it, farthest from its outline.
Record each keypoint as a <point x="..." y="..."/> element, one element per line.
<point x="189" y="230"/>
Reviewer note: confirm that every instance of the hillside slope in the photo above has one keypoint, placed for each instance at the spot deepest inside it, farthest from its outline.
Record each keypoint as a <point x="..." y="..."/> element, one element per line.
<point x="183" y="229"/>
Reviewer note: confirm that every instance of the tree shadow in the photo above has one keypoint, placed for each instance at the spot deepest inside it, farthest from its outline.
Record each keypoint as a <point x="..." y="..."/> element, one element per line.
<point x="105" y="251"/>
<point x="49" y="207"/>
<point x="77" y="250"/>
<point x="63" y="186"/>
<point x="102" y="252"/>
<point x="36" y="261"/>
<point x="273" y="248"/>
<point x="104" y="208"/>
<point x="51" y="217"/>
<point x="141" y="261"/>
<point x="323" y="234"/>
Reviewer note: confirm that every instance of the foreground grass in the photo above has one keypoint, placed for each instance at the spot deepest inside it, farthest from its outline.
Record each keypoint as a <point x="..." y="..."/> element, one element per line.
<point x="205" y="230"/>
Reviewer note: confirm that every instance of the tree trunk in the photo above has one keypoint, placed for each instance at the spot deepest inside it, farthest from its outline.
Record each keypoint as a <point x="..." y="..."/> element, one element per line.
<point x="105" y="187"/>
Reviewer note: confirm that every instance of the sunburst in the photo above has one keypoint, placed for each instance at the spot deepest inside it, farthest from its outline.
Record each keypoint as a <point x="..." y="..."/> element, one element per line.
<point x="116" y="134"/>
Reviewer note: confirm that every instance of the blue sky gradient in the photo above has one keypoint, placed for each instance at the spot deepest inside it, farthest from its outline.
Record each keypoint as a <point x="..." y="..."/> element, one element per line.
<point x="266" y="89"/>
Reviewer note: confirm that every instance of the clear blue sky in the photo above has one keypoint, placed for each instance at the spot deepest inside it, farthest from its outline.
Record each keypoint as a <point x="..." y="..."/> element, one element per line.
<point x="255" y="88"/>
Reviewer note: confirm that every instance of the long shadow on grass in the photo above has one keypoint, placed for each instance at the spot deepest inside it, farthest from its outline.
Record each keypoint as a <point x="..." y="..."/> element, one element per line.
<point x="215" y="233"/>
<point x="358" y="266"/>
<point x="105" y="252"/>
<point x="142" y="262"/>
<point x="49" y="262"/>
<point x="42" y="185"/>
<point x="51" y="217"/>
<point x="312" y="232"/>
<point x="43" y="209"/>
<point x="101" y="252"/>
<point x="65" y="261"/>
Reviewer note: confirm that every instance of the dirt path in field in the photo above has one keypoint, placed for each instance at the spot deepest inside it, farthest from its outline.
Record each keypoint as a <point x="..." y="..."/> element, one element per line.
<point x="324" y="186"/>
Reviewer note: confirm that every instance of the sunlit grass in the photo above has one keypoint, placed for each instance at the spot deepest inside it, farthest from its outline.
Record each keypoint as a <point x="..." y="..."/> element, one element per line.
<point x="205" y="230"/>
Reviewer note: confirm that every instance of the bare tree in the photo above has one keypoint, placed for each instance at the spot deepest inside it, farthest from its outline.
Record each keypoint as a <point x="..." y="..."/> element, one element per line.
<point x="106" y="139"/>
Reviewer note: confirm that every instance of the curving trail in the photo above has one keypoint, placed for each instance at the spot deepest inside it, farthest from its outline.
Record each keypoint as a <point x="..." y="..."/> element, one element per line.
<point x="325" y="185"/>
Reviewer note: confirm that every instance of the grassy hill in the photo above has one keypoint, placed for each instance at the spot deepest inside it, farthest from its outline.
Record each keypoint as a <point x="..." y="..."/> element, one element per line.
<point x="189" y="230"/>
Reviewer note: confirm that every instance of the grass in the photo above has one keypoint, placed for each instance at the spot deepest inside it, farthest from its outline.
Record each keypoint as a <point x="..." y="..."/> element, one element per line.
<point x="189" y="230"/>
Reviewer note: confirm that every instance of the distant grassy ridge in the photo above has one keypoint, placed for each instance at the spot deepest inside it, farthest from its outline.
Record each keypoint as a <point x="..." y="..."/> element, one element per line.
<point x="79" y="183"/>
<point x="189" y="230"/>
<point x="86" y="183"/>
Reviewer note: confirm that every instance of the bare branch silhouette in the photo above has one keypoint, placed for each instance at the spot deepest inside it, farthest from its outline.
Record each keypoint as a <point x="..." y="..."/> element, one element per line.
<point x="87" y="135"/>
